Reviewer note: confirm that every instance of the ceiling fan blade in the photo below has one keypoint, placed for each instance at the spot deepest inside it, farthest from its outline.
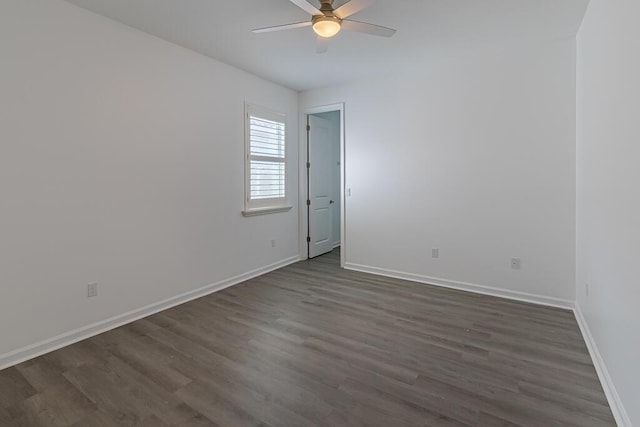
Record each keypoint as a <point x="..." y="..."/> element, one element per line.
<point x="352" y="7"/>
<point x="363" y="27"/>
<point x="322" y="44"/>
<point x="282" y="27"/>
<point x="304" y="5"/>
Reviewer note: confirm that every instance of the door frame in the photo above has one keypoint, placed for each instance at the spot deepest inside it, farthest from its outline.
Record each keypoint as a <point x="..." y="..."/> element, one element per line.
<point x="304" y="183"/>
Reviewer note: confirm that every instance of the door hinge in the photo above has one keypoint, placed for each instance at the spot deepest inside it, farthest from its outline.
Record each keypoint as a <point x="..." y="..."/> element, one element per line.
<point x="308" y="202"/>
<point x="308" y="128"/>
<point x="308" y="165"/>
<point x="308" y="239"/>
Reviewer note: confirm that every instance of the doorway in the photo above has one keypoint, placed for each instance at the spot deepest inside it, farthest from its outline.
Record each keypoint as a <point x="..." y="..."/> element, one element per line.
<point x="324" y="178"/>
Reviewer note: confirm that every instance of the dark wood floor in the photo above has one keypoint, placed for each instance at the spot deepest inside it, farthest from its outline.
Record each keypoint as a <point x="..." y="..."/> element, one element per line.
<point x="311" y="344"/>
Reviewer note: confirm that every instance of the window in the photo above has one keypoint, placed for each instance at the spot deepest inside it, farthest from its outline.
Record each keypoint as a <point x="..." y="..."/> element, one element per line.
<point x="265" y="162"/>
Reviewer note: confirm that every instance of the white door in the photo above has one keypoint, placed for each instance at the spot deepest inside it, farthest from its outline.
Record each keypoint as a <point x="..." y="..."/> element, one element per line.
<point x="320" y="186"/>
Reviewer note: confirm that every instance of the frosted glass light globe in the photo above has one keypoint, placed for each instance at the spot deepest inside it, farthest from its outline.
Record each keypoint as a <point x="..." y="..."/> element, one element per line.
<point x="326" y="26"/>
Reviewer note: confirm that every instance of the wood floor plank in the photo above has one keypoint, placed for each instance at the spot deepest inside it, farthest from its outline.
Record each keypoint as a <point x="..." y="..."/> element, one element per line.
<point x="313" y="344"/>
<point x="14" y="388"/>
<point x="61" y="405"/>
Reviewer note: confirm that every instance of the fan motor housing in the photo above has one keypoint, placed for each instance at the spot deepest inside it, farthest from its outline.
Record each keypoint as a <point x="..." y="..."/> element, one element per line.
<point x="326" y="18"/>
<point x="327" y="7"/>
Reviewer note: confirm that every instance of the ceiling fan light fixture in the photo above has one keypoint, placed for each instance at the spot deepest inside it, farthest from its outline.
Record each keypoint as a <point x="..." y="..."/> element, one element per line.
<point x="326" y="26"/>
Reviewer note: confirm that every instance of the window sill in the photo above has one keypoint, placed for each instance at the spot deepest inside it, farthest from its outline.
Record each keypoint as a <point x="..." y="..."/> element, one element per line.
<point x="266" y="211"/>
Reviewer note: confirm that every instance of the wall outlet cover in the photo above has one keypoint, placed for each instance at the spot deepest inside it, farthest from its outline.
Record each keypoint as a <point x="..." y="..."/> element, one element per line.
<point x="92" y="290"/>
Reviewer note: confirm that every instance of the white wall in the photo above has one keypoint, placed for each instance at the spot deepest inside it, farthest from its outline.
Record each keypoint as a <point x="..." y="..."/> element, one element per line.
<point x="474" y="155"/>
<point x="334" y="119"/>
<point x="121" y="162"/>
<point x="608" y="208"/>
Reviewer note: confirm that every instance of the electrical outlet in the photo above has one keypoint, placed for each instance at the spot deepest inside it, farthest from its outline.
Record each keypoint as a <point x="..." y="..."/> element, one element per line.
<point x="273" y="243"/>
<point x="92" y="290"/>
<point x="515" y="263"/>
<point x="435" y="253"/>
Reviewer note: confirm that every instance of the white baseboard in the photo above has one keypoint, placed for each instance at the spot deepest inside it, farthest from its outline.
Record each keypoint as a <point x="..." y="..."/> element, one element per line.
<point x="464" y="286"/>
<point x="619" y="413"/>
<point x="34" y="350"/>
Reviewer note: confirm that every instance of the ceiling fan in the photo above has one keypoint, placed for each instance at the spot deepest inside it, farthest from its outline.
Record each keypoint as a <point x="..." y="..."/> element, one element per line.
<point x="327" y="21"/>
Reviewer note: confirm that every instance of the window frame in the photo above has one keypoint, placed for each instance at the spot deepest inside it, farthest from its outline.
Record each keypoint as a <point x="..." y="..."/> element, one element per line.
<point x="268" y="205"/>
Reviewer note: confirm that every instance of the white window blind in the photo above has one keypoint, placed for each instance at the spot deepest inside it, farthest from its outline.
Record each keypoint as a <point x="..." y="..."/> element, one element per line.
<point x="266" y="160"/>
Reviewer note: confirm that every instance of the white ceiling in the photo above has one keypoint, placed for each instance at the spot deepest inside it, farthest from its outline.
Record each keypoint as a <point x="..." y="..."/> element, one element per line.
<point x="426" y="29"/>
